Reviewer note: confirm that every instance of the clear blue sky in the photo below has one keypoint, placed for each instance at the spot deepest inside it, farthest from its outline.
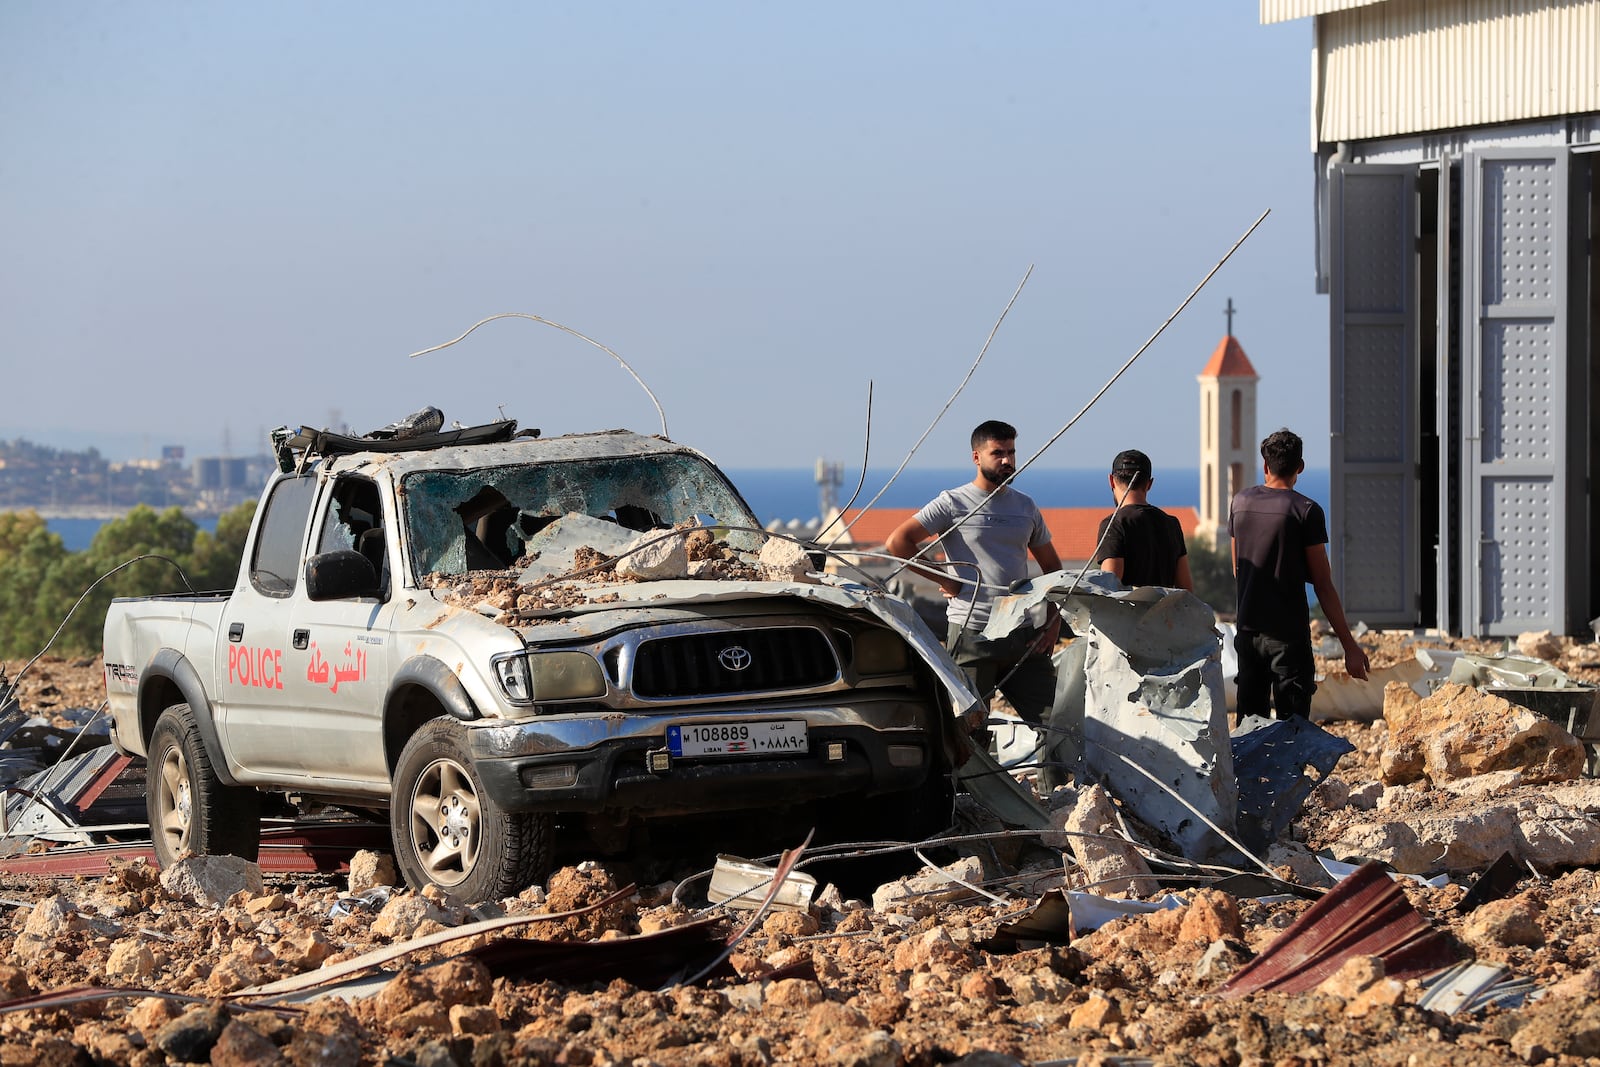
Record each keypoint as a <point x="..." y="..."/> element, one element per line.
<point x="219" y="218"/>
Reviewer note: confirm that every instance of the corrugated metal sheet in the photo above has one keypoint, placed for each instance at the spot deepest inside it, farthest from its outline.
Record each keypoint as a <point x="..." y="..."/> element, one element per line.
<point x="1285" y="10"/>
<point x="1409" y="66"/>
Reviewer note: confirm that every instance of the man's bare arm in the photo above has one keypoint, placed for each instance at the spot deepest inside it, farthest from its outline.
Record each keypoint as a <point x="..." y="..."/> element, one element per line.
<point x="903" y="543"/>
<point x="1112" y="565"/>
<point x="1355" y="660"/>
<point x="1185" y="581"/>
<point x="1046" y="556"/>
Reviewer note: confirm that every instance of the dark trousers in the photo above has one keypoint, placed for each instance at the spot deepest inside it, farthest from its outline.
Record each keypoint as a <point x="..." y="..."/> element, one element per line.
<point x="1274" y="673"/>
<point x="1031" y="685"/>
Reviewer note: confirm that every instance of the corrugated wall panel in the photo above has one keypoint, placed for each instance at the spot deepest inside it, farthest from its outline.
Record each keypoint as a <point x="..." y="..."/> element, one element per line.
<point x="1410" y="66"/>
<point x="1286" y="10"/>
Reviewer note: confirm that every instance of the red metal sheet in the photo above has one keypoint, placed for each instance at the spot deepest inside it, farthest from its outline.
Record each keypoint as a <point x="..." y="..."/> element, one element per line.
<point x="1366" y="914"/>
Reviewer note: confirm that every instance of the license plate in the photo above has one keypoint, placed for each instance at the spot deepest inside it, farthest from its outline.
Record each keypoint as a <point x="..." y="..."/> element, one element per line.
<point x="737" y="738"/>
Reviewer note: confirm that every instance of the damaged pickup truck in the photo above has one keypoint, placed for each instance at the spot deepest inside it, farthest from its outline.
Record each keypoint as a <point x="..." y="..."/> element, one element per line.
<point x="489" y="634"/>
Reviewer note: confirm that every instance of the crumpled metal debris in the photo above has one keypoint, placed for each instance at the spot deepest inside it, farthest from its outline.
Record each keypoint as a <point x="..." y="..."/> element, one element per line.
<point x="1152" y="694"/>
<point x="1270" y="757"/>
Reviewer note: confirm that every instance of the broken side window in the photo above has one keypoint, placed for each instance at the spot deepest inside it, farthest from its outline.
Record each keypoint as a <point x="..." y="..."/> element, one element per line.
<point x="481" y="519"/>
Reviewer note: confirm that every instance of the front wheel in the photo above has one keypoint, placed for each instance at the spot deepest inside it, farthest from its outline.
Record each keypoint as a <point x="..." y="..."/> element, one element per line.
<point x="191" y="812"/>
<point x="448" y="832"/>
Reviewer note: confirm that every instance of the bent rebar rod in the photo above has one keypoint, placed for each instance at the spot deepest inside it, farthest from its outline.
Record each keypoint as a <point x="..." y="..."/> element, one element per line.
<point x="970" y="370"/>
<point x="925" y="549"/>
<point x="564" y="329"/>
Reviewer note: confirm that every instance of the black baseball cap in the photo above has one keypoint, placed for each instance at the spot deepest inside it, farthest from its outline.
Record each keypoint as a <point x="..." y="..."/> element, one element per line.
<point x="1131" y="466"/>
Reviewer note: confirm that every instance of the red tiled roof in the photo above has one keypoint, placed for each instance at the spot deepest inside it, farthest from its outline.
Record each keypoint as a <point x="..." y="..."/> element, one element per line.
<point x="1072" y="530"/>
<point x="1229" y="361"/>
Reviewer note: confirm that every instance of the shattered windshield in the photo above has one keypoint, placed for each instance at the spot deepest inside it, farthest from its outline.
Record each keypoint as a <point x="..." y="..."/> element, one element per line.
<point x="460" y="521"/>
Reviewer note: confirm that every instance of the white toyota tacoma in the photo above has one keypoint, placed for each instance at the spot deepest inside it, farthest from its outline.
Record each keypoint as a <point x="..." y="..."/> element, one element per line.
<point x="451" y="626"/>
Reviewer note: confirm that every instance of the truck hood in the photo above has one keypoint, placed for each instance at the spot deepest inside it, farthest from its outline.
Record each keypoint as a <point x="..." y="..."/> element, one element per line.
<point x="597" y="609"/>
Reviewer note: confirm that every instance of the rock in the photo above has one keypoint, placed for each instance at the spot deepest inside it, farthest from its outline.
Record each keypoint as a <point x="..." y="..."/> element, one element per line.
<point x="1461" y="731"/>
<point x="1539" y="644"/>
<point x="210" y="880"/>
<point x="262" y="906"/>
<point x="654" y="556"/>
<point x="473" y="1019"/>
<point x="875" y="1049"/>
<point x="1096" y="1013"/>
<point x="1220" y="960"/>
<point x="1332" y="794"/>
<point x="53" y="917"/>
<point x="1110" y="865"/>
<point x="782" y="560"/>
<point x="1364" y="797"/>
<point x="191" y="1037"/>
<point x="369" y="870"/>
<point x="232" y="972"/>
<point x="401" y="917"/>
<point x="14" y="982"/>
<point x="793" y="993"/>
<point x="1042" y="986"/>
<point x="1536" y="829"/>
<point x="151" y="1014"/>
<point x="1354" y="975"/>
<point x="1211" y="916"/>
<point x="241" y="1046"/>
<point x="930" y="885"/>
<point x="1503" y="923"/>
<point x="1555" y="1029"/>
<point x="829" y="1022"/>
<point x="1401" y="760"/>
<point x="130" y="960"/>
<point x="1301" y="864"/>
<point x="922" y="952"/>
<point x="1384" y="993"/>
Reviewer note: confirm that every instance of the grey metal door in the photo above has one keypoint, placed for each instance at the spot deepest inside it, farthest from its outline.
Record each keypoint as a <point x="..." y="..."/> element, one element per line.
<point x="1374" y="361"/>
<point x="1514" y="377"/>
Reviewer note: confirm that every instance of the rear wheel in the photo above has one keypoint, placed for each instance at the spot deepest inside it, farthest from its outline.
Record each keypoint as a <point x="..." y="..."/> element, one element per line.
<point x="190" y="810"/>
<point x="448" y="832"/>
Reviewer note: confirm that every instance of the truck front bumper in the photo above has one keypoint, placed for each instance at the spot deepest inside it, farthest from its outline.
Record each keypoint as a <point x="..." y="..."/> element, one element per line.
<point x="621" y="762"/>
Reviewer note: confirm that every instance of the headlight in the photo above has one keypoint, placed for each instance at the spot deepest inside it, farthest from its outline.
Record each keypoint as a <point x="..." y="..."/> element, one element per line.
<point x="513" y="674"/>
<point x="880" y="652"/>
<point x="541" y="676"/>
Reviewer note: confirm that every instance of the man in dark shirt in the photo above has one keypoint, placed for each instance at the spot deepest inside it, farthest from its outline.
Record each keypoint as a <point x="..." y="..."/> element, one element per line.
<point x="1140" y="543"/>
<point x="1279" y="544"/>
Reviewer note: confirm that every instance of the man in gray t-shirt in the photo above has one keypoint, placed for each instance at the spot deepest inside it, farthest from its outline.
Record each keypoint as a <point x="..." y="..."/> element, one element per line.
<point x="987" y="553"/>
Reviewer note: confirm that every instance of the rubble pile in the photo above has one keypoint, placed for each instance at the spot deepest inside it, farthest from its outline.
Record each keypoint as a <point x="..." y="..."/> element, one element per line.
<point x="598" y="556"/>
<point x="1080" y="940"/>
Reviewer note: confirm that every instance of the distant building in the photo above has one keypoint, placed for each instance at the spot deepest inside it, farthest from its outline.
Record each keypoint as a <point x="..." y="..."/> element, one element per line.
<point x="1230" y="458"/>
<point x="1458" y="192"/>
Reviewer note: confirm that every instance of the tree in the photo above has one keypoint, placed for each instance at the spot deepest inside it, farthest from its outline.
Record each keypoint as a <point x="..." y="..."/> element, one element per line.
<point x="1212" y="572"/>
<point x="214" y="564"/>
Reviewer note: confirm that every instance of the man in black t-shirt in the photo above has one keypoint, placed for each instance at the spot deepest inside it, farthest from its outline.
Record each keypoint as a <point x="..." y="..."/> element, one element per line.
<point x="1140" y="543"/>
<point x="1279" y="545"/>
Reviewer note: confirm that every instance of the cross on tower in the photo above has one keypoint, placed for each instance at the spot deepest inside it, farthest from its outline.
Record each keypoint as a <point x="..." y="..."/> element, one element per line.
<point x="1229" y="313"/>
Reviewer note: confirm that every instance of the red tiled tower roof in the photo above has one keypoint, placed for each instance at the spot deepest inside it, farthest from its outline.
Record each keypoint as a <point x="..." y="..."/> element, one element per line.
<point x="1229" y="361"/>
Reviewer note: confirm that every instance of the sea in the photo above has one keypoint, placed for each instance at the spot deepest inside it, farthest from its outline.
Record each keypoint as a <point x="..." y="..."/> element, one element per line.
<point x="786" y="494"/>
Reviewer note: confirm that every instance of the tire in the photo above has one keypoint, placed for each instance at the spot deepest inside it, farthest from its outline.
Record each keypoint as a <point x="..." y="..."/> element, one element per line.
<point x="448" y="832"/>
<point x="190" y="811"/>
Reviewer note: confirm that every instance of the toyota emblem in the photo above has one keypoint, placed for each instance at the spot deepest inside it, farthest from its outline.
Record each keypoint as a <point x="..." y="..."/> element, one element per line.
<point x="734" y="657"/>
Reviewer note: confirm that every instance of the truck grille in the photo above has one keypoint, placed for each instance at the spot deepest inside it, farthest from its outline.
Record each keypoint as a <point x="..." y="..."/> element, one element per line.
<point x="745" y="661"/>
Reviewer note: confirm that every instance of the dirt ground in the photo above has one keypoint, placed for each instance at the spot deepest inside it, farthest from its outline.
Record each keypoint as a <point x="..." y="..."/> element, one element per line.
<point x="917" y="981"/>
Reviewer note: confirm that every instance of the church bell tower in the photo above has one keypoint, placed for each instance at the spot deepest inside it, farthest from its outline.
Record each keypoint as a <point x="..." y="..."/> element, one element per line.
<point x="1229" y="456"/>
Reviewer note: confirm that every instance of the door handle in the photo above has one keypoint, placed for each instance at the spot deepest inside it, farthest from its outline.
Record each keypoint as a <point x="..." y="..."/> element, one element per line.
<point x="236" y="632"/>
<point x="302" y="638"/>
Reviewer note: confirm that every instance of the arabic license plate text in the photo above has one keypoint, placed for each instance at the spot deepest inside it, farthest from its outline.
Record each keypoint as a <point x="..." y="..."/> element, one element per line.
<point x="737" y="738"/>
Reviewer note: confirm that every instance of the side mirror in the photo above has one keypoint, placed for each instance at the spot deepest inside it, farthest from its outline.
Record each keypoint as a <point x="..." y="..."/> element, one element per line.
<point x="341" y="575"/>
